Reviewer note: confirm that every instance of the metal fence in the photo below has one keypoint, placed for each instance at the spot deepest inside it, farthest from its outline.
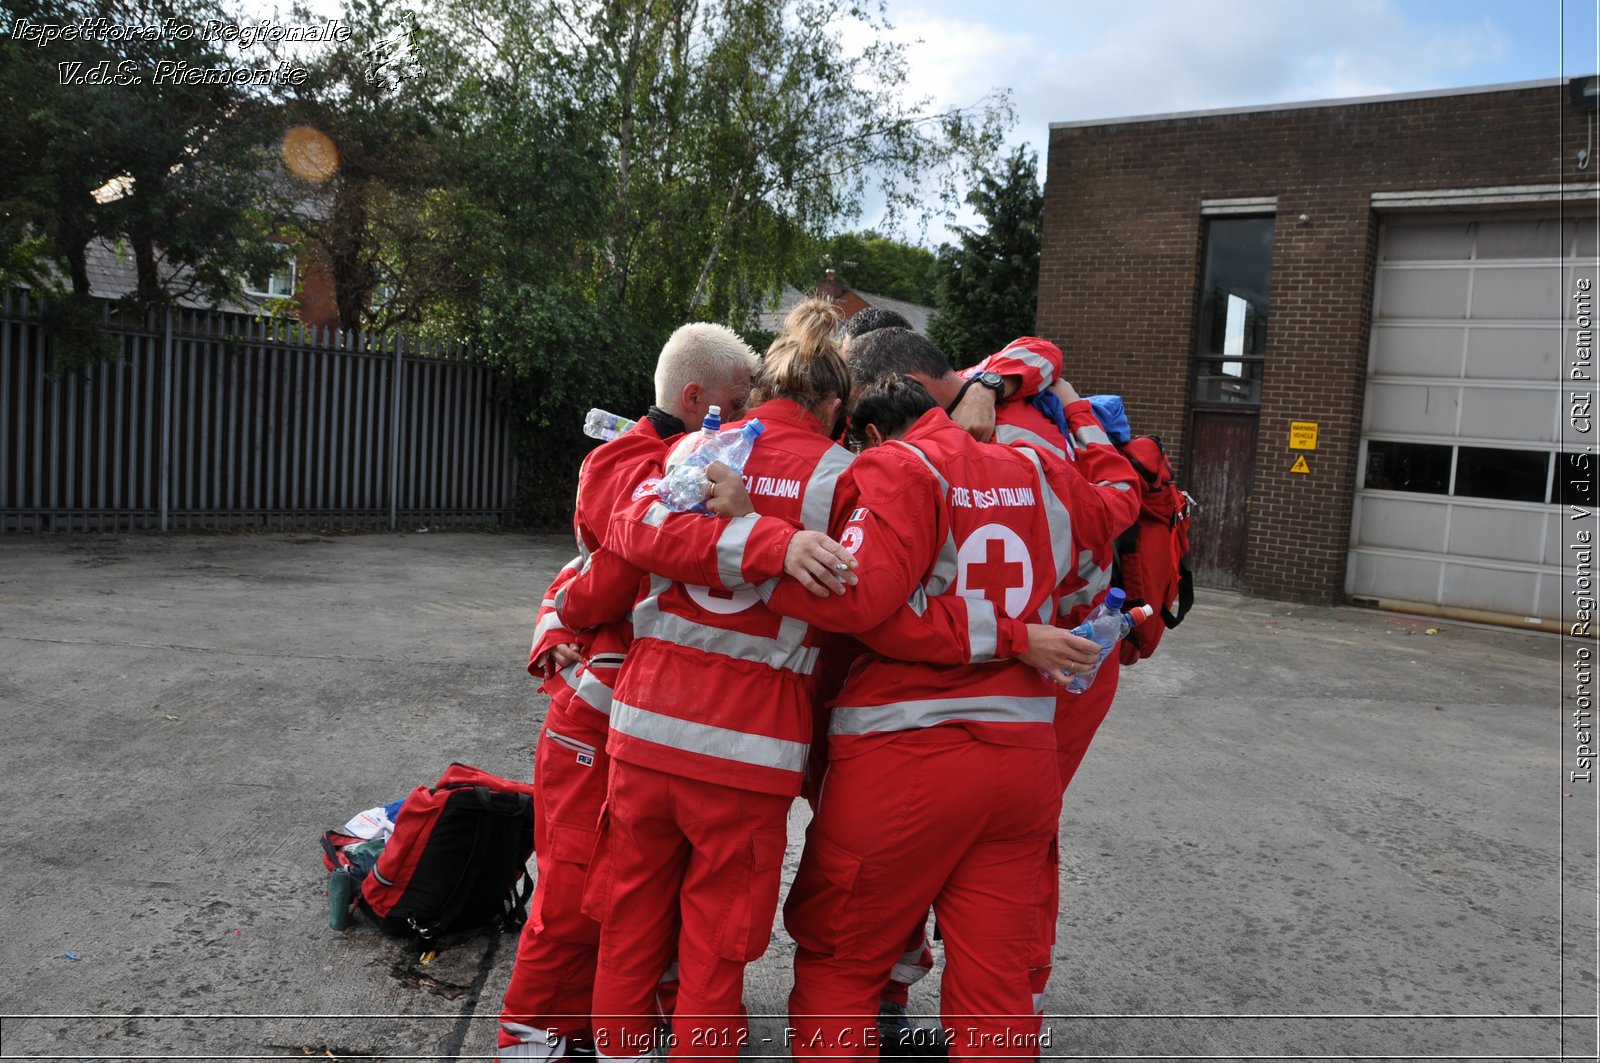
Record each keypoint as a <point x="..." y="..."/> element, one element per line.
<point x="219" y="420"/>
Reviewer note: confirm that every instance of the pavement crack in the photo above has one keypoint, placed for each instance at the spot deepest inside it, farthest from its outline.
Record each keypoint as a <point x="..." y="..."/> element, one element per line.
<point x="469" y="1010"/>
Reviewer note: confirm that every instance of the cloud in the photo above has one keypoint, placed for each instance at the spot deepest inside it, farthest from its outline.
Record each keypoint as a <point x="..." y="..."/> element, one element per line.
<point x="1083" y="61"/>
<point x="1108" y="60"/>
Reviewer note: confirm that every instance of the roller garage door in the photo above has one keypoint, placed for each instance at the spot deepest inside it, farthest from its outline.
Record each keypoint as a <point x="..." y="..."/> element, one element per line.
<point x="1461" y="487"/>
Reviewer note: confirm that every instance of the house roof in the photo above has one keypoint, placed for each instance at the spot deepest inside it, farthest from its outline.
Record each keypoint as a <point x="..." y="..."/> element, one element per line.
<point x="113" y="274"/>
<point x="1299" y="105"/>
<point x="850" y="303"/>
<point x="915" y="313"/>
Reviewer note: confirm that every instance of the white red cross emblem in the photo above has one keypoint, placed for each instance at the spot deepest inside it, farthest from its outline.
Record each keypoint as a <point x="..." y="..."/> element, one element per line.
<point x="994" y="563"/>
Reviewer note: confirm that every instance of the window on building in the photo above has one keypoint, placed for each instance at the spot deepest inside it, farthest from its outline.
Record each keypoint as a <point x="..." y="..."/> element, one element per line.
<point x="1421" y="467"/>
<point x="1231" y="334"/>
<point x="1514" y="475"/>
<point x="1480" y="472"/>
<point x="274" y="283"/>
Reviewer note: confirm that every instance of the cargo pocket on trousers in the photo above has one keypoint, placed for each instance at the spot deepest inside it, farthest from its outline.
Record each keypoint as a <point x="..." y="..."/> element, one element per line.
<point x="568" y="851"/>
<point x="572" y="845"/>
<point x="820" y="914"/>
<point x="752" y="901"/>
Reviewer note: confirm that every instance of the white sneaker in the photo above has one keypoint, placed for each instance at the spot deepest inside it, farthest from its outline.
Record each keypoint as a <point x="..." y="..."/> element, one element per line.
<point x="532" y="1043"/>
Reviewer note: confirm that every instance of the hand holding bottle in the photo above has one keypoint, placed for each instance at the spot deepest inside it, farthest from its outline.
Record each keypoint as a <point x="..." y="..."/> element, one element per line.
<point x="1058" y="653"/>
<point x="1107" y="625"/>
<point x="685" y="487"/>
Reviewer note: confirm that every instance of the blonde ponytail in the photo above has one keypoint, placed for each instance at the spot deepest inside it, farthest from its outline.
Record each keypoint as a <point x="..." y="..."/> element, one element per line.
<point x="804" y="363"/>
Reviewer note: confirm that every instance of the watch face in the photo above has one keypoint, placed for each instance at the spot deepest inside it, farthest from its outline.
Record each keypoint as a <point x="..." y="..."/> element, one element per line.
<point x="992" y="380"/>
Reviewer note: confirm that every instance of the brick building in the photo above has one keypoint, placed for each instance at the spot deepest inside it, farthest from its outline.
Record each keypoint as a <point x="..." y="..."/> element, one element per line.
<point x="1394" y="271"/>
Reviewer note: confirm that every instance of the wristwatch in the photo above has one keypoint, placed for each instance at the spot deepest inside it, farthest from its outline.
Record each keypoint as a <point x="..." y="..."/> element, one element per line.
<point x="991" y="380"/>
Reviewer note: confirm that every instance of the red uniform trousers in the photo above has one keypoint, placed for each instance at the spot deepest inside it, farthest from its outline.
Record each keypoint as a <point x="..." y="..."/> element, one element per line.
<point x="553" y="978"/>
<point x="1079" y="716"/>
<point x="972" y="822"/>
<point x="686" y="865"/>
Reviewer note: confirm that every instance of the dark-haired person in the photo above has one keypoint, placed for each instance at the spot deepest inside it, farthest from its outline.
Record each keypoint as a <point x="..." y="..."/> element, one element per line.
<point x="1026" y="367"/>
<point x="972" y="409"/>
<point x="547" y="1001"/>
<point x="711" y="725"/>
<point x="959" y="759"/>
<point x="1007" y="379"/>
<point x="871" y="319"/>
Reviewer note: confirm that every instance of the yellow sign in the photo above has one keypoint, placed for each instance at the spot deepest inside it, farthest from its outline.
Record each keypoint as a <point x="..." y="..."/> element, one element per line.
<point x="1300" y="465"/>
<point x="1302" y="435"/>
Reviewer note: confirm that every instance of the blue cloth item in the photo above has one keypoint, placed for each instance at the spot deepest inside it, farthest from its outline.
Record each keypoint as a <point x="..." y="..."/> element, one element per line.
<point x="1109" y="412"/>
<point x="392" y="809"/>
<point x="1047" y="403"/>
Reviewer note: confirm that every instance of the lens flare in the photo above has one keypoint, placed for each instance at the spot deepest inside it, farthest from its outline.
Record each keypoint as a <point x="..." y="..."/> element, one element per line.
<point x="310" y="153"/>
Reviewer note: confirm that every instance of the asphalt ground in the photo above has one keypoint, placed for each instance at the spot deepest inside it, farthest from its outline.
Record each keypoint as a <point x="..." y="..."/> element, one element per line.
<point x="1303" y="832"/>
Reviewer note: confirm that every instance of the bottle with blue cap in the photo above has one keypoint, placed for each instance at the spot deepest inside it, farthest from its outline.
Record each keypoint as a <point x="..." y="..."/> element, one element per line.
<point x="710" y="425"/>
<point x="685" y="488"/>
<point x="1107" y="625"/>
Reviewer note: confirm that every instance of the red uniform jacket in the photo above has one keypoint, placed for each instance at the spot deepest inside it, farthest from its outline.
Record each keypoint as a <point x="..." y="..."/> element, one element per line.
<point x="606" y="480"/>
<point x="939" y="514"/>
<point x="1018" y="423"/>
<point x="717" y="687"/>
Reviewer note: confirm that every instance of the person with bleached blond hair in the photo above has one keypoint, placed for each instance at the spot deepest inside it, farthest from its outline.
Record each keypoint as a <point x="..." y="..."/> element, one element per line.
<point x="712" y="719"/>
<point x="547" y="1003"/>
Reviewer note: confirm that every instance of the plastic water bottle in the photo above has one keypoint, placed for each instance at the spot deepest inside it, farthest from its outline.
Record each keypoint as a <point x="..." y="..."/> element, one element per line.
<point x="602" y="425"/>
<point x="1107" y="624"/>
<point x="709" y="427"/>
<point x="685" y="488"/>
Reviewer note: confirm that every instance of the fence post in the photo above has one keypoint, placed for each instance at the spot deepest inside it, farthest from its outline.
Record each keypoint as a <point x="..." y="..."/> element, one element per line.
<point x="166" y="419"/>
<point x="394" y="437"/>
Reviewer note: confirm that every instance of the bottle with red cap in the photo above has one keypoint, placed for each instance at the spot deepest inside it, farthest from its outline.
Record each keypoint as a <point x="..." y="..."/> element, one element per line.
<point x="1107" y="625"/>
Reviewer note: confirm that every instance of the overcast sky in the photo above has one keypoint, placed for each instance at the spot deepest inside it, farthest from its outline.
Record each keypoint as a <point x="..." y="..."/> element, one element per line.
<point x="1078" y="60"/>
<point x="1081" y="61"/>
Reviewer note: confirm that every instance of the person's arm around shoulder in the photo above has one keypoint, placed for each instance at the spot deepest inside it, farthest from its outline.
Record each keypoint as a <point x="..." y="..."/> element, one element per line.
<point x="554" y="644"/>
<point x="703" y="551"/>
<point x="893" y="532"/>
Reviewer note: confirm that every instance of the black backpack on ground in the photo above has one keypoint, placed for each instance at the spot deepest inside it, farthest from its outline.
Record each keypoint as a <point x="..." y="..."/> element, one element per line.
<point x="458" y="859"/>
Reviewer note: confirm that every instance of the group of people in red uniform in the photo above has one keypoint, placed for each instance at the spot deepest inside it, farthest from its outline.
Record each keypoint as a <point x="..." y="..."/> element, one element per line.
<point x="882" y="630"/>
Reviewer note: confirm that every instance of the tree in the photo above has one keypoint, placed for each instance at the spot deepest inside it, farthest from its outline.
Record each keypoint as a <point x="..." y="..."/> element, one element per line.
<point x="726" y="134"/>
<point x="104" y="144"/>
<point x="636" y="164"/>
<point x="871" y="262"/>
<point x="171" y="170"/>
<point x="383" y="217"/>
<point x="989" y="284"/>
<point x="52" y="164"/>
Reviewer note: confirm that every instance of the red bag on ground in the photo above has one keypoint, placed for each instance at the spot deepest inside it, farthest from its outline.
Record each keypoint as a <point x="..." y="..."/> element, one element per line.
<point x="458" y="859"/>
